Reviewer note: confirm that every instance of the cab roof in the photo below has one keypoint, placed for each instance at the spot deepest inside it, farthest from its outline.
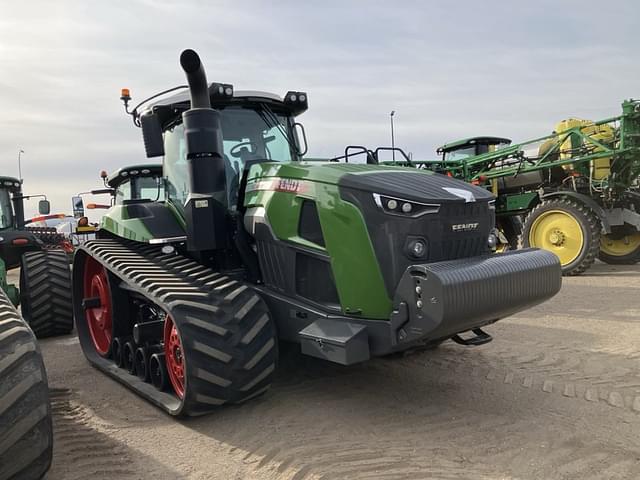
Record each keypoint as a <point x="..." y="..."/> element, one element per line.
<point x="142" y="170"/>
<point x="448" y="147"/>
<point x="11" y="183"/>
<point x="170" y="106"/>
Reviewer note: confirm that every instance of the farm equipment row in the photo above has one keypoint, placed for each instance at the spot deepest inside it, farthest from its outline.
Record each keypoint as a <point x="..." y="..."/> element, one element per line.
<point x="576" y="189"/>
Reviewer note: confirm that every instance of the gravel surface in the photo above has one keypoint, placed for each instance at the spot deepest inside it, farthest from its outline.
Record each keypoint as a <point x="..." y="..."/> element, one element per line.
<point x="556" y="395"/>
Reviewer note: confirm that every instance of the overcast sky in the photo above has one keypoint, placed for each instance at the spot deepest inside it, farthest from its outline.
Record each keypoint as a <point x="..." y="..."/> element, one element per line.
<point x="449" y="70"/>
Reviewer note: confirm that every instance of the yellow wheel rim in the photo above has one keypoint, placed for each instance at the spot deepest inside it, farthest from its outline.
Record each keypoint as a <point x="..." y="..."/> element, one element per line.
<point x="621" y="246"/>
<point x="502" y="247"/>
<point x="559" y="232"/>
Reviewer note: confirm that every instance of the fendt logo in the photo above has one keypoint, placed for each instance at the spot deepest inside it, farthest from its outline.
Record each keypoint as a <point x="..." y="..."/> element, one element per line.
<point x="464" y="227"/>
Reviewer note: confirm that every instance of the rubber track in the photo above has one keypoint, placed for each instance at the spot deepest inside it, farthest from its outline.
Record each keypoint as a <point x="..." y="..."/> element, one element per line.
<point x="26" y="440"/>
<point x="228" y="338"/>
<point x="593" y="225"/>
<point x="46" y="293"/>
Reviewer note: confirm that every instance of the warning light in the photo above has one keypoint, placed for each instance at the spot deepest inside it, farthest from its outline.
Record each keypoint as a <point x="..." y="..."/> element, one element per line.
<point x="125" y="97"/>
<point x="103" y="174"/>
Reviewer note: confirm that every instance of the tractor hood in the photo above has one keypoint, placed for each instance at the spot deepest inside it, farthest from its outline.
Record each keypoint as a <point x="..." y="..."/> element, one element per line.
<point x="403" y="182"/>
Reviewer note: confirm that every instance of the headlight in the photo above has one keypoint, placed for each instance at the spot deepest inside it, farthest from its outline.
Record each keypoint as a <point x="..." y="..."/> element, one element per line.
<point x="404" y="208"/>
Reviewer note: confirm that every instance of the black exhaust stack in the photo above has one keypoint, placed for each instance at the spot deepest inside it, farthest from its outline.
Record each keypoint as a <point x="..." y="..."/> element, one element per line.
<point x="18" y="207"/>
<point x="206" y="206"/>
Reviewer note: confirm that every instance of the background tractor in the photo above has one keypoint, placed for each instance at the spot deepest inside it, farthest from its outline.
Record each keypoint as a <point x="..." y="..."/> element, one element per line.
<point x="576" y="190"/>
<point x="251" y="245"/>
<point x="45" y="280"/>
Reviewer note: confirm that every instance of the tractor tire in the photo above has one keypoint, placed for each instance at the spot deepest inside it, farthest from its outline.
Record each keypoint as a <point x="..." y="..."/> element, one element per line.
<point x="45" y="293"/>
<point x="620" y="250"/>
<point x="26" y="432"/>
<point x="567" y="228"/>
<point x="511" y="228"/>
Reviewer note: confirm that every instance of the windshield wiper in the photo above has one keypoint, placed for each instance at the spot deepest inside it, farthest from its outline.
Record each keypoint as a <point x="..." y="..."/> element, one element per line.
<point x="267" y="114"/>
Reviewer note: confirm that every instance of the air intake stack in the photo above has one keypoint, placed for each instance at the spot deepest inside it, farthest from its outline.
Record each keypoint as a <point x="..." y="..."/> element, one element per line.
<point x="206" y="206"/>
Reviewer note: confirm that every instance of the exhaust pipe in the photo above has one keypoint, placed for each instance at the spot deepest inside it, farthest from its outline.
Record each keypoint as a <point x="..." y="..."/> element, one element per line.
<point x="206" y="206"/>
<point x="196" y="78"/>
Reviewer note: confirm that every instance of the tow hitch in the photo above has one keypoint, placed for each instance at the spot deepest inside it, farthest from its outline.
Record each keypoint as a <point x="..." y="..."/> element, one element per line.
<point x="481" y="337"/>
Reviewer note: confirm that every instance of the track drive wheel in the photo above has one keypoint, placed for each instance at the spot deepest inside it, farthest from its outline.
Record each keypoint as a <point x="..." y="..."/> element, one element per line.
<point x="568" y="229"/>
<point x="620" y="249"/>
<point x="98" y="313"/>
<point x="26" y="433"/>
<point x="45" y="292"/>
<point x="225" y="355"/>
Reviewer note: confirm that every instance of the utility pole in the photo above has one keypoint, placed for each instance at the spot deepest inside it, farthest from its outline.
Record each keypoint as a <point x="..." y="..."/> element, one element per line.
<point x="20" y="152"/>
<point x="393" y="141"/>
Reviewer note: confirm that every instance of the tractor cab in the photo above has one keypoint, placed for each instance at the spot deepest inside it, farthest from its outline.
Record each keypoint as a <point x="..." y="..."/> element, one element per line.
<point x="9" y="188"/>
<point x="15" y="238"/>
<point x="256" y="127"/>
<point x="135" y="183"/>
<point x="470" y="147"/>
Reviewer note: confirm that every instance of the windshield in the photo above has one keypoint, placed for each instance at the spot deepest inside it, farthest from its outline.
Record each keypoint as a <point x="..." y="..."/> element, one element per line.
<point x="460" y="154"/>
<point x="6" y="210"/>
<point x="146" y="188"/>
<point x="247" y="134"/>
<point x="149" y="188"/>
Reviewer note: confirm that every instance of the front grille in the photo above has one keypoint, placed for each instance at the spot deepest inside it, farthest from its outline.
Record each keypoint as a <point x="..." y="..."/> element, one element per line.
<point x="464" y="247"/>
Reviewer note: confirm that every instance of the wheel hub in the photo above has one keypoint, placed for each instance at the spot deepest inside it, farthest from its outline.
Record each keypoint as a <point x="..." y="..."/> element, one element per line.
<point x="99" y="318"/>
<point x="557" y="237"/>
<point x="174" y="356"/>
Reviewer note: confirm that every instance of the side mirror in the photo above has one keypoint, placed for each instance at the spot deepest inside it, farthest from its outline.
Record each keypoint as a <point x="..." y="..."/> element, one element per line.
<point x="44" y="207"/>
<point x="152" y="134"/>
<point x="78" y="207"/>
<point x="301" y="134"/>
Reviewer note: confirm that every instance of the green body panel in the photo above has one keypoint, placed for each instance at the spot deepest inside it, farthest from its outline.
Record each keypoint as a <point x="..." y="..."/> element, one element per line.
<point x="515" y="203"/>
<point x="116" y="221"/>
<point x="10" y="289"/>
<point x="358" y="278"/>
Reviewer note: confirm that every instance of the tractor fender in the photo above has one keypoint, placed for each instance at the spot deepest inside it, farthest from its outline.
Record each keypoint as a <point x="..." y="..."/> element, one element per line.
<point x="587" y="201"/>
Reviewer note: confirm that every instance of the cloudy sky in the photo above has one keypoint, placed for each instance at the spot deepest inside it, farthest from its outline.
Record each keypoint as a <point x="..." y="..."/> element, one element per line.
<point x="448" y="69"/>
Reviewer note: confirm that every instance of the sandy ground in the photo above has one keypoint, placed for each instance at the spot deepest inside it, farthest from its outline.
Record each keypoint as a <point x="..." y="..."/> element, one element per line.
<point x="556" y="395"/>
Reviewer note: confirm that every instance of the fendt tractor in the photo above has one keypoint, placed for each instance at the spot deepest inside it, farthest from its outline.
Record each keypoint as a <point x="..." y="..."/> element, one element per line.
<point x="45" y="280"/>
<point x="133" y="182"/>
<point x="576" y="189"/>
<point x="26" y="432"/>
<point x="251" y="245"/>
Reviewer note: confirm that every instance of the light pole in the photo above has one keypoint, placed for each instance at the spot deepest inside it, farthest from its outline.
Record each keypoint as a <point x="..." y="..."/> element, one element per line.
<point x="393" y="141"/>
<point x="20" y="152"/>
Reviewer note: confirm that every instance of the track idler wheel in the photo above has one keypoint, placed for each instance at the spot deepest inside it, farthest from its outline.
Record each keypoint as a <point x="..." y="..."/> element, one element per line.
<point x="128" y="357"/>
<point x="116" y="351"/>
<point x="141" y="361"/>
<point x="158" y="371"/>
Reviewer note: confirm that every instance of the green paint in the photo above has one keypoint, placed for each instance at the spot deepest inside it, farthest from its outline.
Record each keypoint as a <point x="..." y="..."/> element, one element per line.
<point x="517" y="202"/>
<point x="358" y="278"/>
<point x="10" y="289"/>
<point x="117" y="221"/>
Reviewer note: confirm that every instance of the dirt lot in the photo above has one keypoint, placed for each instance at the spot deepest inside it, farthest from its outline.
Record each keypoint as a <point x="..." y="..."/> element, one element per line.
<point x="555" y="395"/>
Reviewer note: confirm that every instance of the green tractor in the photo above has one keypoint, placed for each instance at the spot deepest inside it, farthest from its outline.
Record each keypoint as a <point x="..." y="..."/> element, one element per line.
<point x="577" y="190"/>
<point x="45" y="280"/>
<point x="133" y="182"/>
<point x="251" y="245"/>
